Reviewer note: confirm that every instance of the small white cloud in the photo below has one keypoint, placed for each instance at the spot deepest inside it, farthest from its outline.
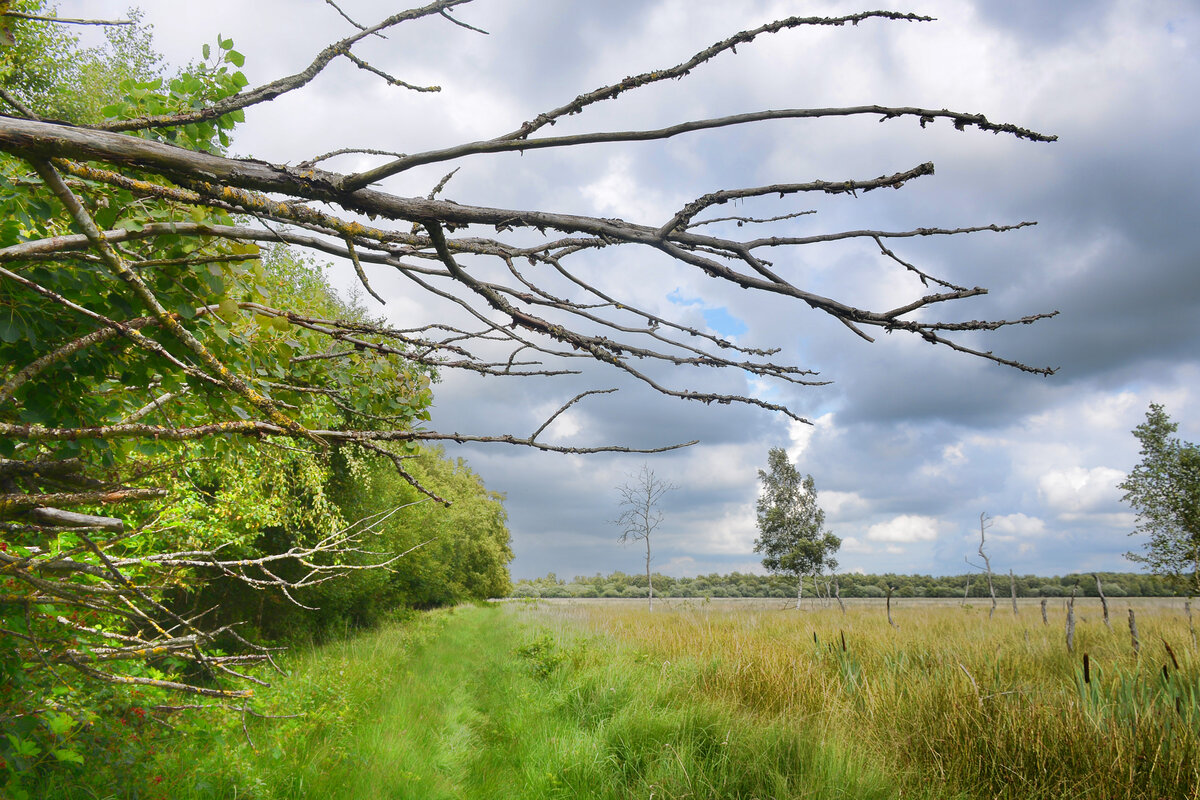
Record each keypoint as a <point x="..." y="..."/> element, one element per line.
<point x="852" y="544"/>
<point x="838" y="504"/>
<point x="904" y="528"/>
<point x="800" y="435"/>
<point x="1078" y="489"/>
<point x="1017" y="525"/>
<point x="619" y="192"/>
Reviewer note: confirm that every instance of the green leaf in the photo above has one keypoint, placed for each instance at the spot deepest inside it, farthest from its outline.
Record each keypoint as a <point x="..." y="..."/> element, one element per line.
<point x="205" y="51"/>
<point x="10" y="330"/>
<point x="241" y="412"/>
<point x="71" y="756"/>
<point x="59" y="724"/>
<point x="235" y="58"/>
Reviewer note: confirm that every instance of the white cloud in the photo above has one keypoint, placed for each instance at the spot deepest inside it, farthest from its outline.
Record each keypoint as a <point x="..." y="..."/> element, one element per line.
<point x="905" y="528"/>
<point x="1017" y="526"/>
<point x="841" y="504"/>
<point x="1079" y="489"/>
<point x="852" y="544"/>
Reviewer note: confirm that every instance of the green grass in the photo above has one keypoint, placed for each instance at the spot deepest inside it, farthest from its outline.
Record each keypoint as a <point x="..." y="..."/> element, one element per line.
<point x="603" y="700"/>
<point x="488" y="703"/>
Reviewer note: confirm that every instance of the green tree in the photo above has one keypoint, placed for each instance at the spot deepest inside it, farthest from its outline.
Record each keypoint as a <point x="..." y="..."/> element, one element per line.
<point x="791" y="533"/>
<point x="1164" y="491"/>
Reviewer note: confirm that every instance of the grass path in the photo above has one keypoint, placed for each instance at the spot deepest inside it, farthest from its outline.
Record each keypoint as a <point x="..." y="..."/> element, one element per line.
<point x="487" y="704"/>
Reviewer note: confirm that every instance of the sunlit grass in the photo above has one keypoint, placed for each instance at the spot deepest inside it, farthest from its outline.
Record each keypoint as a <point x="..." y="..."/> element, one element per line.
<point x="721" y="700"/>
<point x="976" y="706"/>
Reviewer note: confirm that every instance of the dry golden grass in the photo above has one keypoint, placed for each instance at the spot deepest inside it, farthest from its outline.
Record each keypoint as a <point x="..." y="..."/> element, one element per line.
<point x="984" y="707"/>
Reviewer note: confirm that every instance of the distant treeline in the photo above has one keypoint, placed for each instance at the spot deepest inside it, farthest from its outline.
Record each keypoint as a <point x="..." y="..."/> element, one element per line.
<point x="739" y="584"/>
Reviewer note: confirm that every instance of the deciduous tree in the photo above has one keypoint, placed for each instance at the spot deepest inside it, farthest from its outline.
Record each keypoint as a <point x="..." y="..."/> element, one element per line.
<point x="1164" y="490"/>
<point x="791" y="534"/>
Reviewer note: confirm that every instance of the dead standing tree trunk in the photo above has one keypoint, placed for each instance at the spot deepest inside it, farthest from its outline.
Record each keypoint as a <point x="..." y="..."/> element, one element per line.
<point x="640" y="515"/>
<point x="984" y="524"/>
<point x="1103" y="601"/>
<point x="1012" y="585"/>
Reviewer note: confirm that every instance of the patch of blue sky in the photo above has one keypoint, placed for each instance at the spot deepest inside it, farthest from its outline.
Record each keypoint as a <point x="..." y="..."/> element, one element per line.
<point x="717" y="318"/>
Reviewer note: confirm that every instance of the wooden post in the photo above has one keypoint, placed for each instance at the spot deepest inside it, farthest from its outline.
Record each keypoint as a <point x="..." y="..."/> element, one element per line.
<point x="1071" y="620"/>
<point x="967" y="591"/>
<point x="1133" y="633"/>
<point x="1103" y="601"/>
<point x="889" y="608"/>
<point x="1012" y="585"/>
<point x="1045" y="619"/>
<point x="1187" y="606"/>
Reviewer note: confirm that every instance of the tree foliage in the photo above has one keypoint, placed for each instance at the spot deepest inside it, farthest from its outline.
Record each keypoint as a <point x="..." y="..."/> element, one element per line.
<point x="852" y="585"/>
<point x="1164" y="490"/>
<point x="791" y="526"/>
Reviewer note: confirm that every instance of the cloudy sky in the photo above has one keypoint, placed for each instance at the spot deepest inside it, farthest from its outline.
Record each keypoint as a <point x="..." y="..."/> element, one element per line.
<point x="910" y="443"/>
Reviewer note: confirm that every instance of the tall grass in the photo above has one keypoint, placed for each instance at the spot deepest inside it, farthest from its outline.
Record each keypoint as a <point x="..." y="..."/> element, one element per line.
<point x="487" y="703"/>
<point x="952" y="700"/>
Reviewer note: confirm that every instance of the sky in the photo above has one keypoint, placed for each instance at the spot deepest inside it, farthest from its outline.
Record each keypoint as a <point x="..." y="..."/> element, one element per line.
<point x="909" y="444"/>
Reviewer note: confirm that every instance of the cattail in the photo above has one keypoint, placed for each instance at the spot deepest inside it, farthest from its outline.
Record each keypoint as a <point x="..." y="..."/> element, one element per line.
<point x="1087" y="669"/>
<point x="843" y="633"/>
<point x="1171" y="653"/>
<point x="1071" y="621"/>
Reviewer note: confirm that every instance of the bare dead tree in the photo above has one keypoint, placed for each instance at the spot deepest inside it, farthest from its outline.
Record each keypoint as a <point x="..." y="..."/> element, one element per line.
<point x="1103" y="600"/>
<point x="641" y="515"/>
<point x="985" y="522"/>
<point x="523" y="322"/>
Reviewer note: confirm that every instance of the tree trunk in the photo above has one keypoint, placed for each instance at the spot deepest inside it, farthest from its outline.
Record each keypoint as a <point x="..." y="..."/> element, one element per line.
<point x="799" y="590"/>
<point x="649" y="582"/>
<point x="1103" y="601"/>
<point x="1012" y="585"/>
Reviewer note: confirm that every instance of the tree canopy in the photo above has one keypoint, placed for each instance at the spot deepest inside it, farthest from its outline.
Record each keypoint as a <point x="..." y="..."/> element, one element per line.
<point x="1164" y="490"/>
<point x="791" y="526"/>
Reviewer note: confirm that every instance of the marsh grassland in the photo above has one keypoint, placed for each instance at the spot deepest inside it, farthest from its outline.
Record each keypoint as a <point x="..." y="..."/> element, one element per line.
<point x="727" y="699"/>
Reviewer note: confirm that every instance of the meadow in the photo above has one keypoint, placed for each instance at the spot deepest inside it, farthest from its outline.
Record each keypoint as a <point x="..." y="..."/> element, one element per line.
<point x="720" y="699"/>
